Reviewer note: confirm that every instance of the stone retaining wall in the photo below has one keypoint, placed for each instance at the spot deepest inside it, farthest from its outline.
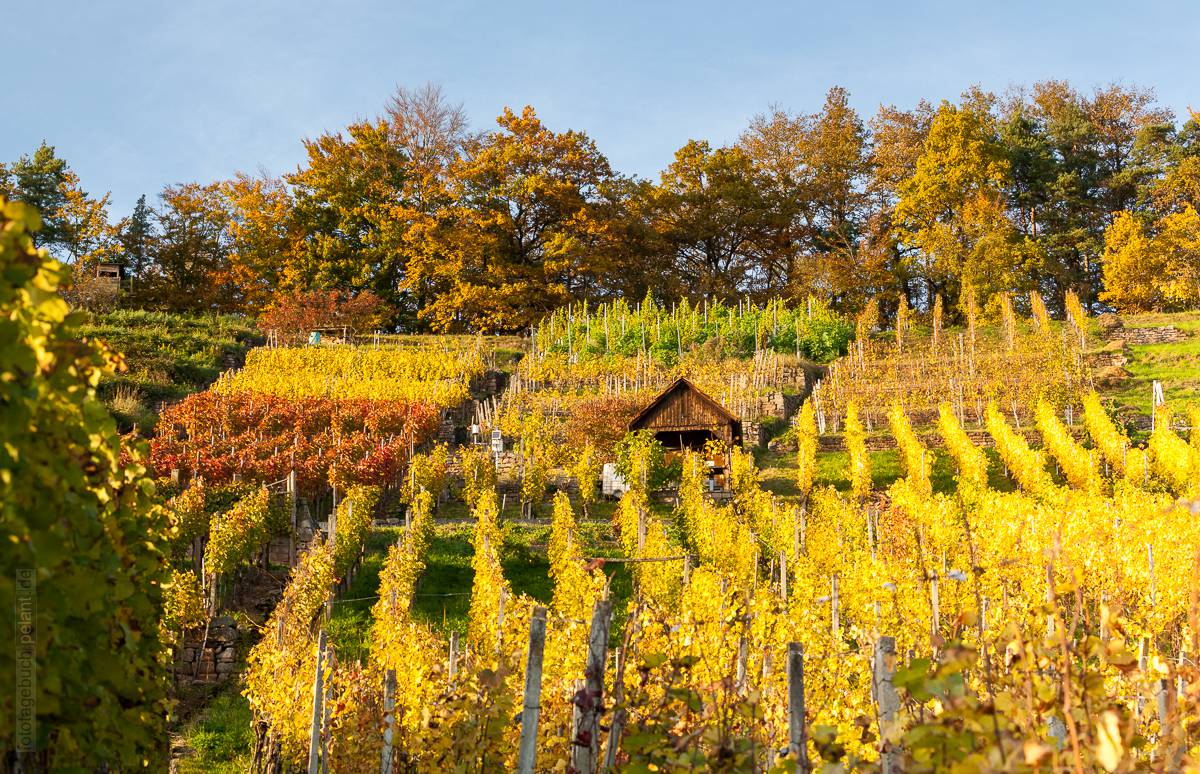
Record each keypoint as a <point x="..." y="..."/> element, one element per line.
<point x="1166" y="334"/>
<point x="212" y="659"/>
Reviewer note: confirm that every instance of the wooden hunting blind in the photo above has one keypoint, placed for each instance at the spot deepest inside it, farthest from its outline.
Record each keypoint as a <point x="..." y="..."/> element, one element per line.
<point x="684" y="417"/>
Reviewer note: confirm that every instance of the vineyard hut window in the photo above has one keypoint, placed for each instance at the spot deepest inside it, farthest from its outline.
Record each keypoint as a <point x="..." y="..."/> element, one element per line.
<point x="683" y="417"/>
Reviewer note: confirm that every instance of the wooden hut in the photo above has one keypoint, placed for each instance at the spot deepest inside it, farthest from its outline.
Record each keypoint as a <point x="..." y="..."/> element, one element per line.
<point x="684" y="417"/>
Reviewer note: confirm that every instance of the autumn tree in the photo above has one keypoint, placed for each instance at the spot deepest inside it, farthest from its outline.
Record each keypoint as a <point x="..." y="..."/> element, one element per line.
<point x="814" y="170"/>
<point x="190" y="270"/>
<point x="709" y="212"/>
<point x="517" y="241"/>
<point x="294" y="315"/>
<point x="897" y="141"/>
<point x="951" y="209"/>
<point x="263" y="237"/>
<point x="347" y="198"/>
<point x="1155" y="265"/>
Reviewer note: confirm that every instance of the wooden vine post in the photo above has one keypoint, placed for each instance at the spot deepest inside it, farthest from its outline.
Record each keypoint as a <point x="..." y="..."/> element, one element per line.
<point x="389" y="720"/>
<point x="589" y="700"/>
<point x="797" y="733"/>
<point x="527" y="755"/>
<point x="887" y="701"/>
<point x="291" y="490"/>
<point x="314" y="740"/>
<point x="618" y="721"/>
<point x="835" y="622"/>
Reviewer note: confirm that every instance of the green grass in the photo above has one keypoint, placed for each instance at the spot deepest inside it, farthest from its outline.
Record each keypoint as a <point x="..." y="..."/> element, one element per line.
<point x="443" y="594"/>
<point x="219" y="738"/>
<point x="167" y="356"/>
<point x="1176" y="365"/>
<point x="350" y="627"/>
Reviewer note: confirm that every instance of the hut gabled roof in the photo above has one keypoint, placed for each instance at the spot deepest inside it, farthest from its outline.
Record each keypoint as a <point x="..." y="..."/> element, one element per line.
<point x="679" y="385"/>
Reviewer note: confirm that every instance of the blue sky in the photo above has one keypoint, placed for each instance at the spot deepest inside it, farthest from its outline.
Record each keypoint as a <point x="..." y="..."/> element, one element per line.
<point x="136" y="95"/>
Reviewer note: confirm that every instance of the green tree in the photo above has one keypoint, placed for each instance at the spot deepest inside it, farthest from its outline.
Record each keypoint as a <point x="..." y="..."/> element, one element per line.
<point x="136" y="236"/>
<point x="39" y="181"/>
<point x="84" y="537"/>
<point x="1105" y="151"/>
<point x="75" y="226"/>
<point x="191" y="252"/>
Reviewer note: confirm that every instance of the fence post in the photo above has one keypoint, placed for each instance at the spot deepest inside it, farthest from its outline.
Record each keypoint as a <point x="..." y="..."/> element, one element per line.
<point x="797" y="732"/>
<point x="887" y="701"/>
<point x="1150" y="562"/>
<point x="533" y="692"/>
<point x="389" y="719"/>
<point x="589" y="700"/>
<point x="453" y="653"/>
<point x="314" y="740"/>
<point x="1143" y="663"/>
<point x="500" y="623"/>
<point x="618" y="722"/>
<point x="1164" y="697"/>
<point x="327" y="712"/>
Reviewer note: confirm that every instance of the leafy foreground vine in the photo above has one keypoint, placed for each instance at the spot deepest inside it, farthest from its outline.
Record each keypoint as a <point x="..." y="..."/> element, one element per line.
<point x="83" y="565"/>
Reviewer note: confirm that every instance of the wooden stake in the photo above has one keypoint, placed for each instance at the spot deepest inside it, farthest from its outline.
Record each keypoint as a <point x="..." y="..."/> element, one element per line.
<point x="783" y="575"/>
<point x="527" y="754"/>
<point x="797" y="729"/>
<point x="743" y="659"/>
<point x="586" y="747"/>
<point x="389" y="720"/>
<point x="618" y="722"/>
<point x="935" y="623"/>
<point x="836" y="627"/>
<point x="887" y="701"/>
<point x="1150" y="559"/>
<point x="1143" y="662"/>
<point x="291" y="488"/>
<point x="314" y="740"/>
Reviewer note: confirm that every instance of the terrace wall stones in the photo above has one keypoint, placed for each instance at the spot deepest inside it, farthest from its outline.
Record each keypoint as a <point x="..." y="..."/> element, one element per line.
<point x="1165" y="334"/>
<point x="210" y="659"/>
